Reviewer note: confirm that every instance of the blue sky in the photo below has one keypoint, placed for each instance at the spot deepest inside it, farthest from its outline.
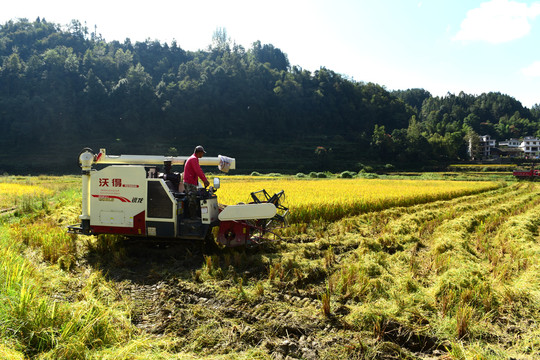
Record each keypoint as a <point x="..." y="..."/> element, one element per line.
<point x="439" y="45"/>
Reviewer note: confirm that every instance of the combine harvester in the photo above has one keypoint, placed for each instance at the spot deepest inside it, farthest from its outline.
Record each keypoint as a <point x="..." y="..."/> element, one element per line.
<point x="132" y="197"/>
<point x="531" y="174"/>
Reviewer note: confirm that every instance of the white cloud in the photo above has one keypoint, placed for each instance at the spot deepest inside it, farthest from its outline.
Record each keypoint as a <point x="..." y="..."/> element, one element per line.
<point x="498" y="21"/>
<point x="532" y="70"/>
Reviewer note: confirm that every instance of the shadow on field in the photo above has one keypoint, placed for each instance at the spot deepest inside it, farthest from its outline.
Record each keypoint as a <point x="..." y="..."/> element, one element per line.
<point x="144" y="261"/>
<point x="147" y="262"/>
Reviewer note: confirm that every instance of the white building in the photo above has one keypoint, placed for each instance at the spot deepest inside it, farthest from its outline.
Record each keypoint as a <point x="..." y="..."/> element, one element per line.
<point x="530" y="146"/>
<point x="486" y="143"/>
<point x="514" y="143"/>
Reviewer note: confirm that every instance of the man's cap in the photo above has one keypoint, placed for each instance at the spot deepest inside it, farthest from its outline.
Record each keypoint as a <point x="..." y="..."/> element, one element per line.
<point x="199" y="148"/>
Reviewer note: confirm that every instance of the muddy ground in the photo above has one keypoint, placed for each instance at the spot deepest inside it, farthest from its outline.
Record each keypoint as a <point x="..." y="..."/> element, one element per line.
<point x="174" y="294"/>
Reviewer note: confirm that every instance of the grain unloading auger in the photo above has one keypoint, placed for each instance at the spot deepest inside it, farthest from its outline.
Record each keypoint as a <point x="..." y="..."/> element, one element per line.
<point x="132" y="196"/>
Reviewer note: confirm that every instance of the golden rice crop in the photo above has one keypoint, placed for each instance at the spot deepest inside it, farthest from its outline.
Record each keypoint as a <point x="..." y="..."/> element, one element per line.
<point x="332" y="199"/>
<point x="10" y="192"/>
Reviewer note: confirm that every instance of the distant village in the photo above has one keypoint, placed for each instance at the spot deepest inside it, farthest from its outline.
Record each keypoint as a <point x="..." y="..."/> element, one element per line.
<point x="487" y="148"/>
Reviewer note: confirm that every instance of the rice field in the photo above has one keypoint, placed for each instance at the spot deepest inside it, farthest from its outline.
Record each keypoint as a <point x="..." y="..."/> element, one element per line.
<point x="411" y="269"/>
<point x="12" y="193"/>
<point x="333" y="199"/>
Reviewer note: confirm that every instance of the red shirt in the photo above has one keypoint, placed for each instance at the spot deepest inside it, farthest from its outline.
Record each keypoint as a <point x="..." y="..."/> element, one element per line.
<point x="193" y="171"/>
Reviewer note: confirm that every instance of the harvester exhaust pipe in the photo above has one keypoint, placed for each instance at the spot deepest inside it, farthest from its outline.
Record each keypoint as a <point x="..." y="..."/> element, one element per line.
<point x="86" y="158"/>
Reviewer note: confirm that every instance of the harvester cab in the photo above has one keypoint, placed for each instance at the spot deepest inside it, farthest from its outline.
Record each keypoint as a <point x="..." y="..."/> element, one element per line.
<point x="132" y="196"/>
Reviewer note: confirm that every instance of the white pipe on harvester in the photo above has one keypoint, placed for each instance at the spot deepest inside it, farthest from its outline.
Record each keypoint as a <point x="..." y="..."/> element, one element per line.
<point x="223" y="162"/>
<point x="86" y="159"/>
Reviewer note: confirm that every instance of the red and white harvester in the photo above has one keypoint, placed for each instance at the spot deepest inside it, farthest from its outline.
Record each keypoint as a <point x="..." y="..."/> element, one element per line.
<point x="132" y="196"/>
<point x="529" y="174"/>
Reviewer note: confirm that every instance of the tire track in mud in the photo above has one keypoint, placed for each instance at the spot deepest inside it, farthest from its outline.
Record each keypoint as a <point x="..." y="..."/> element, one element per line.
<point x="286" y="324"/>
<point x="280" y="323"/>
<point x="287" y="333"/>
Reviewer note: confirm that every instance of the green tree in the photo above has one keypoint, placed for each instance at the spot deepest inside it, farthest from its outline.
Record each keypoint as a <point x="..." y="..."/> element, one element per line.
<point x="413" y="97"/>
<point x="220" y="40"/>
<point x="268" y="54"/>
<point x="473" y="144"/>
<point x="382" y="143"/>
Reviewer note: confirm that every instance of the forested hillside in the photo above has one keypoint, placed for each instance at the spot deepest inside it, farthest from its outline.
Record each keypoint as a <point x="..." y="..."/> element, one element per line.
<point x="63" y="88"/>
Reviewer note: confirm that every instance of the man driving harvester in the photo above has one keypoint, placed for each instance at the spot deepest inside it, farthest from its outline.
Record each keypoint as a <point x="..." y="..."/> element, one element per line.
<point x="192" y="174"/>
